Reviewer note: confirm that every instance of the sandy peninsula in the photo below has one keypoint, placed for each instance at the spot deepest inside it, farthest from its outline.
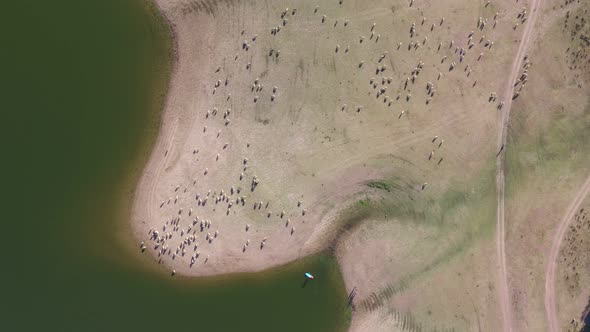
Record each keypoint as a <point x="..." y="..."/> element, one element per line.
<point x="375" y="129"/>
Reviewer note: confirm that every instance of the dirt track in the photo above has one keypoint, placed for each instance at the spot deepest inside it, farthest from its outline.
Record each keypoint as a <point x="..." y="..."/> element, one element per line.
<point x="550" y="308"/>
<point x="500" y="182"/>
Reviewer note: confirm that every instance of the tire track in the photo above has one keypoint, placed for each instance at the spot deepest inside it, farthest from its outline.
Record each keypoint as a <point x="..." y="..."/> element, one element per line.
<point x="550" y="305"/>
<point x="500" y="181"/>
<point x="156" y="178"/>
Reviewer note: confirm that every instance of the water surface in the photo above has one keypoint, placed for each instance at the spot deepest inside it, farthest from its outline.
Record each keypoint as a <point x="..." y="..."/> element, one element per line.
<point x="83" y="84"/>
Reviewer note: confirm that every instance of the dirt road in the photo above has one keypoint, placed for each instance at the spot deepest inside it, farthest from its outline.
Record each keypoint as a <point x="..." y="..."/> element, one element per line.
<point x="550" y="308"/>
<point x="502" y="135"/>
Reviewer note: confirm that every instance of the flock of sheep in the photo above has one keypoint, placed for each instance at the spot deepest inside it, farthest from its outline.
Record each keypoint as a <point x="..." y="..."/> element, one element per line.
<point x="182" y="235"/>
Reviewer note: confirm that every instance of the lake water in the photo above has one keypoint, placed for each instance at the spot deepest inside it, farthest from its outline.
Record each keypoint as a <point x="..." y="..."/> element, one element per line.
<point x="82" y="85"/>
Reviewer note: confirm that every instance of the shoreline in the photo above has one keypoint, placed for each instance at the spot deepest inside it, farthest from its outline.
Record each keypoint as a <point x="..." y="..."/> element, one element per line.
<point x="174" y="133"/>
<point x="160" y="93"/>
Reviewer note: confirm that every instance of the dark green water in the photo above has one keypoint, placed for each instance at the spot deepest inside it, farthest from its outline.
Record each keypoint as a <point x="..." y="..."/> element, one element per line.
<point x="82" y="84"/>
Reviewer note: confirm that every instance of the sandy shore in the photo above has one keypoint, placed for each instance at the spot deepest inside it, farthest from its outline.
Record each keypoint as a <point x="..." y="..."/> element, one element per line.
<point x="280" y="115"/>
<point x="237" y="114"/>
<point x="197" y="186"/>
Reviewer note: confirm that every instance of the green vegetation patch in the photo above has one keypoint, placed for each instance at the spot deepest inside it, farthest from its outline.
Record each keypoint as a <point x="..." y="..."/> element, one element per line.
<point x="463" y="213"/>
<point x="400" y="200"/>
<point x="379" y="185"/>
<point x="562" y="148"/>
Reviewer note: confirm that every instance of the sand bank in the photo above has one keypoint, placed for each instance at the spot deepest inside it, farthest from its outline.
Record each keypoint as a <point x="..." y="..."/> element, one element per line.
<point x="256" y="102"/>
<point x="197" y="187"/>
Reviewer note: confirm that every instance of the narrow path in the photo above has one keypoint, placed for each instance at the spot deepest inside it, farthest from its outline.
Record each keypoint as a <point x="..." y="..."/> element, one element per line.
<point x="550" y="307"/>
<point x="168" y="146"/>
<point x="502" y="135"/>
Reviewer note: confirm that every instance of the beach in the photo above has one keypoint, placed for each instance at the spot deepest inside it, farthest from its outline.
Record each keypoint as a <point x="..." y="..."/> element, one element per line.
<point x="293" y="203"/>
<point x="237" y="114"/>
